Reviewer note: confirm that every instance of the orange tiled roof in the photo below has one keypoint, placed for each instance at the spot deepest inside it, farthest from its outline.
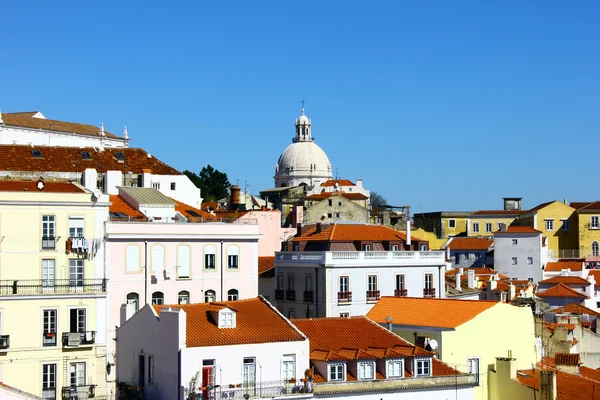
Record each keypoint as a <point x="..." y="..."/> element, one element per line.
<point x="265" y="263"/>
<point x="567" y="359"/>
<point x="438" y="313"/>
<point x="31" y="186"/>
<point x="518" y="229"/>
<point x="553" y="325"/>
<point x="540" y="206"/>
<point x="325" y="195"/>
<point x="340" y="182"/>
<point x="587" y="206"/>
<point x="576" y="309"/>
<point x="589" y="373"/>
<point x="26" y="120"/>
<point x="498" y="212"/>
<point x="571" y="387"/>
<point x="69" y="159"/>
<point x="470" y="243"/>
<point x="351" y="232"/>
<point x="561" y="290"/>
<point x="209" y="205"/>
<point x="256" y="322"/>
<point x="230" y="213"/>
<point x="596" y="274"/>
<point x="557" y="266"/>
<point x="185" y="210"/>
<point x="121" y="206"/>
<point x="567" y="280"/>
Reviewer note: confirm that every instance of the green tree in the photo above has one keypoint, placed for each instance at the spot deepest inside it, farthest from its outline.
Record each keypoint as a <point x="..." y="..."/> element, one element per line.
<point x="213" y="183"/>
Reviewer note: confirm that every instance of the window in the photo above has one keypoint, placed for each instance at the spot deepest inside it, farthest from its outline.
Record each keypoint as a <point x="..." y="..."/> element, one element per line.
<point x="155" y="185"/>
<point x="36" y="153"/>
<point x="280" y="282"/>
<point x="48" y="274"/>
<point x="208" y="373"/>
<point x="366" y="247"/>
<point x="330" y="202"/>
<point x="49" y="381"/>
<point x="514" y="261"/>
<point x="173" y="185"/>
<point x="594" y="222"/>
<point x="158" y="298"/>
<point x="49" y="328"/>
<point x="339" y="203"/>
<point x="119" y="156"/>
<point x="76" y="226"/>
<point x="428" y="281"/>
<point x="183" y="262"/>
<point x="85" y="155"/>
<point x="77" y="320"/>
<point x="565" y="225"/>
<point x="514" y="242"/>
<point x="344" y="314"/>
<point x="158" y="259"/>
<point x="249" y="372"/>
<point x="210" y="296"/>
<point x="549" y="224"/>
<point x="48" y="230"/>
<point x="337" y="214"/>
<point x="488" y="227"/>
<point x="329" y="215"/>
<point x="75" y="272"/>
<point x="595" y="250"/>
<point x="473" y="367"/>
<point x="308" y="284"/>
<point x="288" y="369"/>
<point x="394" y="247"/>
<point x="291" y="284"/>
<point x="529" y="260"/>
<point x="150" y="369"/>
<point x="226" y="319"/>
<point x="395" y="369"/>
<point x="475" y="226"/>
<point x="423" y="247"/>
<point x="291" y="313"/>
<point x="366" y="370"/>
<point x="232" y="257"/>
<point x="210" y="257"/>
<point x="423" y="367"/>
<point x="134" y="300"/>
<point x="77" y="374"/>
<point x="344" y="284"/>
<point x="451" y="223"/>
<point x="233" y="294"/>
<point x="400" y="283"/>
<point x="132" y="258"/>
<point x="183" y="297"/>
<point x="372" y="282"/>
<point x="336" y="372"/>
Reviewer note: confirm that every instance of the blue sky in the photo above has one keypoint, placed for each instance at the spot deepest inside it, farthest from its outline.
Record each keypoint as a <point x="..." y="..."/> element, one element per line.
<point x="441" y="105"/>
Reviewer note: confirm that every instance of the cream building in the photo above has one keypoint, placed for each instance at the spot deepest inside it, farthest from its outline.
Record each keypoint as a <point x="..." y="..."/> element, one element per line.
<point x="52" y="289"/>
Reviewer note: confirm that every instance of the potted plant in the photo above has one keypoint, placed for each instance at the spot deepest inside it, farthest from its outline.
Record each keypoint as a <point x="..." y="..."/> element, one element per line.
<point x="49" y="334"/>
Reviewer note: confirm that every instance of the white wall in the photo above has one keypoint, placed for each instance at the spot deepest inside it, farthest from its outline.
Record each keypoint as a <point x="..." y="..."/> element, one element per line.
<point x="528" y="245"/>
<point x="21" y="135"/>
<point x="429" y="393"/>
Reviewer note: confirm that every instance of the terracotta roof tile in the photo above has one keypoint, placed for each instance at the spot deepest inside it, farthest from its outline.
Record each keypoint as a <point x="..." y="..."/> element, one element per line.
<point x="118" y="205"/>
<point x="31" y="186"/>
<point x="571" y="387"/>
<point x="596" y="274"/>
<point x="209" y="205"/>
<point x="567" y="280"/>
<point x="256" y="322"/>
<point x="561" y="290"/>
<point x="439" y="313"/>
<point x="185" y="210"/>
<point x="567" y="359"/>
<point x="587" y="207"/>
<point x="351" y="232"/>
<point x="498" y="212"/>
<point x="553" y="325"/>
<point x="69" y="159"/>
<point x="540" y="206"/>
<point x="26" y="120"/>
<point x="349" y="196"/>
<point x="340" y="182"/>
<point x="469" y="243"/>
<point x="518" y="229"/>
<point x="557" y="266"/>
<point x="265" y="263"/>
<point x="589" y="373"/>
<point x="576" y="309"/>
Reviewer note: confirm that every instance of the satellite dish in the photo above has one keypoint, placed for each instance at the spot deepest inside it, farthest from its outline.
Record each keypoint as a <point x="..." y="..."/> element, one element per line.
<point x="433" y="344"/>
<point x="96" y="194"/>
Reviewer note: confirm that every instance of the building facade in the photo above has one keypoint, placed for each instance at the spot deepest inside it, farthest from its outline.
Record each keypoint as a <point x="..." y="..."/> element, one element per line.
<point x="520" y="252"/>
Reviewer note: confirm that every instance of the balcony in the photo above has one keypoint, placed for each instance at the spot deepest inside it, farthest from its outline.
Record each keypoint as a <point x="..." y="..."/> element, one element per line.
<point x="48" y="243"/>
<point x="4" y="342"/>
<point x="279" y="294"/>
<point x="49" y="393"/>
<point x="429" y="292"/>
<point x="361" y="258"/>
<point x="591" y="226"/>
<point x="74" y="340"/>
<point x="49" y="339"/>
<point x="252" y="390"/>
<point x="344" y="297"/>
<point x="57" y="286"/>
<point x="373" y="295"/>
<point x="308" y="296"/>
<point x="400" y="292"/>
<point x="290" y="295"/>
<point x="78" y="392"/>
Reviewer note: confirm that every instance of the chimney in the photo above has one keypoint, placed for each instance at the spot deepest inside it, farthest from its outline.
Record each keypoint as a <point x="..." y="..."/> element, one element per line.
<point x="566" y="202"/>
<point x="408" y="231"/>
<point x="386" y="218"/>
<point x="492" y="284"/>
<point x="146" y="178"/>
<point x="389" y="320"/>
<point x="589" y="291"/>
<point x="512" y="291"/>
<point x="458" y="279"/>
<point x="235" y="203"/>
<point x="90" y="179"/>
<point x="359" y="182"/>
<point x="548" y="389"/>
<point x="318" y="227"/>
<point x="471" y="278"/>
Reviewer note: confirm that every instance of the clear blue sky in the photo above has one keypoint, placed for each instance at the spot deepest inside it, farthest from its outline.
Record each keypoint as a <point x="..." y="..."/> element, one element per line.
<point x="444" y="105"/>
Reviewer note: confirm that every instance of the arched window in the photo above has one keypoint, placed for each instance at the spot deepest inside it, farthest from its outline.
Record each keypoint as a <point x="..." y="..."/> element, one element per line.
<point x="595" y="250"/>
<point x="210" y="296"/>
<point x="210" y="257"/>
<point x="232" y="256"/>
<point x="134" y="300"/>
<point x="233" y="294"/>
<point x="183" y="297"/>
<point x="158" y="298"/>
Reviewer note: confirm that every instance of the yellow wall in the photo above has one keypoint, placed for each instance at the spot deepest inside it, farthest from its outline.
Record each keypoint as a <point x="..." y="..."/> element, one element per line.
<point x="434" y="242"/>
<point x="586" y="235"/>
<point x="494" y="220"/>
<point x="460" y="226"/>
<point x="558" y="238"/>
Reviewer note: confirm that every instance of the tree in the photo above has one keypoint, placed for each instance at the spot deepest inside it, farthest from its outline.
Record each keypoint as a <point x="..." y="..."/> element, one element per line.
<point x="376" y="201"/>
<point x="213" y="184"/>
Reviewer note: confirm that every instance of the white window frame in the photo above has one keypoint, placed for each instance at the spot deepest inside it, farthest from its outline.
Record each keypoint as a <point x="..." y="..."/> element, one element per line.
<point x="371" y="282"/>
<point x="49" y="325"/>
<point x="150" y="369"/>
<point x="79" y="369"/>
<point x="366" y="370"/>
<point x="347" y="283"/>
<point x="76" y="272"/>
<point x="489" y="227"/>
<point x="210" y="296"/>
<point x="400" y="282"/>
<point x="366" y="247"/>
<point x="134" y="300"/>
<point x="394" y="247"/>
<point x="157" y="254"/>
<point x="336" y="374"/>
<point x="49" y="377"/>
<point x="529" y="260"/>
<point x="184" y="262"/>
<point x="428" y="281"/>
<point x="344" y="314"/>
<point x="48" y="274"/>
<point x="549" y="224"/>
<point x="233" y="257"/>
<point x="475" y="227"/>
<point x="595" y="248"/>
<point x="514" y="261"/>
<point x="210" y="257"/>
<point x="515" y="242"/>
<point x="132" y="259"/>
<point x="183" y="297"/>
<point x="452" y="223"/>
<point x="233" y="296"/>
<point x="422" y="367"/>
<point x="49" y="232"/>
<point x="594" y="223"/>
<point x="158" y="300"/>
<point x="470" y="369"/>
<point x="76" y="226"/>
<point x="398" y="365"/>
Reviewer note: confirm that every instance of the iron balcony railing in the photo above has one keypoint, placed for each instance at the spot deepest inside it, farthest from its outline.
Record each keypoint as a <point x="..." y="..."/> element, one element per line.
<point x="429" y="292"/>
<point x="252" y="390"/>
<point x="401" y="292"/>
<point x="56" y="286"/>
<point x="78" y="339"/>
<point x="308" y="296"/>
<point x="48" y="243"/>
<point x="344" y="297"/>
<point x="195" y="220"/>
<point x="373" y="295"/>
<point x="49" y="339"/>
<point x="290" y="295"/>
<point x="81" y="392"/>
<point x="49" y="393"/>
<point x="4" y="342"/>
<point x="279" y="294"/>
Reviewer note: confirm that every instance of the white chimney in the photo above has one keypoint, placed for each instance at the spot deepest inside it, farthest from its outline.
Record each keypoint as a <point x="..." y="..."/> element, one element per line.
<point x="101" y="128"/>
<point x="512" y="291"/>
<point x="408" y="226"/>
<point x="112" y="179"/>
<point x="589" y="291"/>
<point x="359" y="182"/>
<point x="90" y="179"/>
<point x="458" y="279"/>
<point x="1" y="120"/>
<point x="471" y="279"/>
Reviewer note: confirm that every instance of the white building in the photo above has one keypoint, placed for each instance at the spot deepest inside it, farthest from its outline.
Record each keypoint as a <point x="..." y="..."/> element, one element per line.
<point x="520" y="252"/>
<point x="343" y="269"/>
<point x="34" y="129"/>
<point x="218" y="350"/>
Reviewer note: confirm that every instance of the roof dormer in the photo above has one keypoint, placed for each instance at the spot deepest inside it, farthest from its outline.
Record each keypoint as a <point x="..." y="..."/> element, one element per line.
<point x="222" y="316"/>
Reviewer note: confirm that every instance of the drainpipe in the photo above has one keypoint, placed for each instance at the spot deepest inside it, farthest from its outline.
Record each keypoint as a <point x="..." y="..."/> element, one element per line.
<point x="316" y="293"/>
<point x="145" y="272"/>
<point x="222" y="271"/>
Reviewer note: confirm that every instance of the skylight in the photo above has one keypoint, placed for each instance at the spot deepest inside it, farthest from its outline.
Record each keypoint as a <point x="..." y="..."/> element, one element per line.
<point x="36" y="153"/>
<point x="120" y="156"/>
<point x="86" y="155"/>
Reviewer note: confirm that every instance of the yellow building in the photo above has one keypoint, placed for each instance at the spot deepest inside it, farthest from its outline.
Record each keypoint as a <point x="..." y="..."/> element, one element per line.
<point x="486" y="222"/>
<point x="443" y="224"/>
<point x="588" y="229"/>
<point x="466" y="334"/>
<point x="52" y="289"/>
<point x="558" y="223"/>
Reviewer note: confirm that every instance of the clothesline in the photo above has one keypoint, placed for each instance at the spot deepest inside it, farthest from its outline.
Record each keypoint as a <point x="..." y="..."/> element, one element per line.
<point x="83" y="246"/>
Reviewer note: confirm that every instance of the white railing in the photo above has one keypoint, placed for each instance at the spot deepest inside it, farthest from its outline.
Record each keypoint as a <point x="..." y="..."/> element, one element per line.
<point x="387" y="257"/>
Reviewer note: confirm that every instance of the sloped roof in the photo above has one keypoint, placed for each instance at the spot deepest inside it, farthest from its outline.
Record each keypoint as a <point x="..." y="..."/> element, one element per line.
<point x="587" y="206"/>
<point x="567" y="280"/>
<point x="265" y="263"/>
<point x="596" y="274"/>
<point x="589" y="373"/>
<point x="187" y="211"/>
<point x="561" y="290"/>
<point x="256" y="322"/>
<point x="540" y="206"/>
<point x="147" y="196"/>
<point x="26" y="120"/>
<point x="567" y="359"/>
<point x="469" y="243"/>
<point x="118" y="205"/>
<point x="576" y="309"/>
<point x="557" y="266"/>
<point x="436" y="313"/>
<point x="571" y="387"/>
<point x="518" y="229"/>
<point x="498" y="213"/>
<point x="337" y="232"/>
<point x="70" y="159"/>
<point x="340" y="182"/>
<point x="325" y="195"/>
<point x="31" y="186"/>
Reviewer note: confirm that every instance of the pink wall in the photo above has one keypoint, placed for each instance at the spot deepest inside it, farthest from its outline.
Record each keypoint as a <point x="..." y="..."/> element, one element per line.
<point x="269" y="226"/>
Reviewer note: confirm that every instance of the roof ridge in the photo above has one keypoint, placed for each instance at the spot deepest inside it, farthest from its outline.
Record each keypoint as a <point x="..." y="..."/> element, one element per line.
<point x="439" y="299"/>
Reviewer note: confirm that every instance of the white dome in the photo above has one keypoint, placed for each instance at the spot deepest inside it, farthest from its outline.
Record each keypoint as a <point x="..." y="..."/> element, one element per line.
<point x="300" y="162"/>
<point x="303" y="119"/>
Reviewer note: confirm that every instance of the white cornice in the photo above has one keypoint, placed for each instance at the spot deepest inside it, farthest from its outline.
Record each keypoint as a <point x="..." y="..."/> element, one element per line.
<point x="183" y="236"/>
<point x="53" y="203"/>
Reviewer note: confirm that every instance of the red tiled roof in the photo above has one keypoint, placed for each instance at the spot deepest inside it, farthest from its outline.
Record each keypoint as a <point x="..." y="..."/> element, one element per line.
<point x="340" y="182"/>
<point x="587" y="207"/>
<point x="589" y="373"/>
<point x="554" y="325"/>
<point x="518" y="229"/>
<point x="567" y="280"/>
<point x="185" y="210"/>
<point x="256" y="322"/>
<point x="26" y="120"/>
<point x="470" y="243"/>
<point x="31" y="186"/>
<point x="498" y="212"/>
<point x="349" y="196"/>
<point x="567" y="359"/>
<point x="576" y="309"/>
<point x="265" y="263"/>
<point x="596" y="274"/>
<point x="438" y="313"/>
<point x="540" y="206"/>
<point x="235" y="214"/>
<point x="121" y="206"/>
<point x="569" y="387"/>
<point x="351" y="232"/>
<point x="69" y="159"/>
<point x="557" y="266"/>
<point x="561" y="290"/>
<point x="209" y="205"/>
